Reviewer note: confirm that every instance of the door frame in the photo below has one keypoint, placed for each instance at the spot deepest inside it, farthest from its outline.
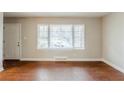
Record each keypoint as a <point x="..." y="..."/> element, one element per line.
<point x="20" y="42"/>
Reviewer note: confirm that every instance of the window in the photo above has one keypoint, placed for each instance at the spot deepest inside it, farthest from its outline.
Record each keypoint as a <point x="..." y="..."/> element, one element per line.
<point x="61" y="36"/>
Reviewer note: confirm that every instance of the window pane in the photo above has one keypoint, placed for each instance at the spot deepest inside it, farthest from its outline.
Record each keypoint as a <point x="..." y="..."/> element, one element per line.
<point x="60" y="36"/>
<point x="78" y="36"/>
<point x="43" y="36"/>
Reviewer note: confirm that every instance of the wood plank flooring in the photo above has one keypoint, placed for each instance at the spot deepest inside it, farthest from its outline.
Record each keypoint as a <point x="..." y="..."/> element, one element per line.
<point x="59" y="71"/>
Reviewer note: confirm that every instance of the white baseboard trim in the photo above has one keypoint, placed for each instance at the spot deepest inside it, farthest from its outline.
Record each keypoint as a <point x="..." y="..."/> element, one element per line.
<point x="52" y="59"/>
<point x="11" y="58"/>
<point x="113" y="65"/>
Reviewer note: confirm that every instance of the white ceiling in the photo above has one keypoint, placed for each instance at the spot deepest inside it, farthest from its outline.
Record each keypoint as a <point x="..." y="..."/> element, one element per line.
<point x="55" y="14"/>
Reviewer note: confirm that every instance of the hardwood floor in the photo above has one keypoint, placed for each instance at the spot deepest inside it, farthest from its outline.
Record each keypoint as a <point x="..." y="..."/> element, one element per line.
<point x="59" y="71"/>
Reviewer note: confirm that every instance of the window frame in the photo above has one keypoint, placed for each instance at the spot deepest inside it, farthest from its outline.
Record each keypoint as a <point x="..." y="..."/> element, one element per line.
<point x="48" y="48"/>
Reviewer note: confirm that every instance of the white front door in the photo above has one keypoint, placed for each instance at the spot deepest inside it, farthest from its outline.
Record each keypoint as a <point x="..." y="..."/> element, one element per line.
<point x="11" y="41"/>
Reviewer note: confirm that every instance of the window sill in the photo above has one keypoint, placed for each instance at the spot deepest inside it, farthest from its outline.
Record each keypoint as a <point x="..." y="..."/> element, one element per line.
<point x="61" y="49"/>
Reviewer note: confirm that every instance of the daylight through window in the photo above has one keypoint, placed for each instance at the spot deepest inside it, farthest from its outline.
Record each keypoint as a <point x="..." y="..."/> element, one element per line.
<point x="61" y="36"/>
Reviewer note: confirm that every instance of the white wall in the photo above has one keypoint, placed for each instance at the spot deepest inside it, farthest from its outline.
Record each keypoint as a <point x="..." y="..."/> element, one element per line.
<point x="113" y="40"/>
<point x="93" y="41"/>
<point x="1" y="41"/>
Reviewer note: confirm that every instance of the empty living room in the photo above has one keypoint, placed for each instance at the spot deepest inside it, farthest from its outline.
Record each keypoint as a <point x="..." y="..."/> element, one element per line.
<point x="61" y="46"/>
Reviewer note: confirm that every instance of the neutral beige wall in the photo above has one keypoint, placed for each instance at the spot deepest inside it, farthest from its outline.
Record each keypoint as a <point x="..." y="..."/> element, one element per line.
<point x="29" y="31"/>
<point x="1" y="41"/>
<point x="113" y="39"/>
